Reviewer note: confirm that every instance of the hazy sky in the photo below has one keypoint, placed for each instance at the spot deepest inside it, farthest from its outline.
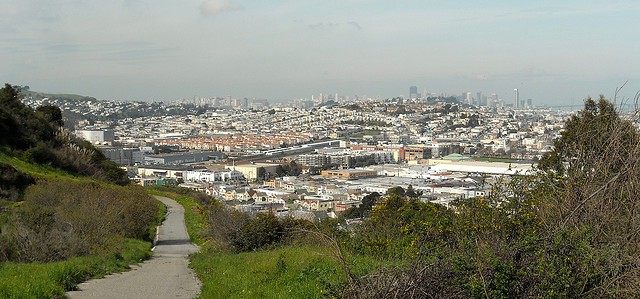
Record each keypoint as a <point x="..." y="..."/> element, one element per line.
<point x="552" y="51"/>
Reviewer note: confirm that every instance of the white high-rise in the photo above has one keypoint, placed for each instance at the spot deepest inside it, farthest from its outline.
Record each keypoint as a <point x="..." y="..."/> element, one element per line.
<point x="468" y="98"/>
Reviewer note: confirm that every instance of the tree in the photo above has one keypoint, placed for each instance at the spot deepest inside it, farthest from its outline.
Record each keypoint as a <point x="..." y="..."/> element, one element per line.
<point x="595" y="134"/>
<point x="51" y="113"/>
<point x="294" y="168"/>
<point x="364" y="210"/>
<point x="571" y="230"/>
<point x="260" y="173"/>
<point x="369" y="200"/>
<point x="396" y="191"/>
<point x="10" y="97"/>
<point x="588" y="189"/>
<point x="19" y="127"/>
<point x="263" y="230"/>
<point x="280" y="171"/>
<point x="412" y="193"/>
<point x="8" y="128"/>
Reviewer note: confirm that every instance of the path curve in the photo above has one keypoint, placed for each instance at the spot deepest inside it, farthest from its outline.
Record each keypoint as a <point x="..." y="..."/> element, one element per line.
<point x="165" y="275"/>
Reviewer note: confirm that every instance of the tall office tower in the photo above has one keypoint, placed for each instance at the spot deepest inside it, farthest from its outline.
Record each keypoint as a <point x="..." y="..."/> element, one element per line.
<point x="478" y="99"/>
<point x="517" y="94"/>
<point x="413" y="92"/>
<point x="529" y="103"/>
<point x="468" y="98"/>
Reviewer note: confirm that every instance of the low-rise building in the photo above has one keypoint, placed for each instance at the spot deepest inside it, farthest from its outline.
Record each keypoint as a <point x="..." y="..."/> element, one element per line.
<point x="96" y="136"/>
<point x="123" y="156"/>
<point x="212" y="175"/>
<point x="182" y="158"/>
<point x="349" y="173"/>
<point x="252" y="171"/>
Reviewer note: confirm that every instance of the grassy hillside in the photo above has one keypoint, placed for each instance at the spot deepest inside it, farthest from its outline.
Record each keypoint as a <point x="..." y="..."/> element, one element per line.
<point x="36" y="136"/>
<point x="67" y="213"/>
<point x="39" y="171"/>
<point x="48" y="243"/>
<point x="56" y="196"/>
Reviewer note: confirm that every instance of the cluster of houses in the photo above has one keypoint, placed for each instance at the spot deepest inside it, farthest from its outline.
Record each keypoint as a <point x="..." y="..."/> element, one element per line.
<point x="333" y="191"/>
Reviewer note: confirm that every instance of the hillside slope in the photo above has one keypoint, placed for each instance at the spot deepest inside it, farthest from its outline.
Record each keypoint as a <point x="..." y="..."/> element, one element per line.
<point x="66" y="212"/>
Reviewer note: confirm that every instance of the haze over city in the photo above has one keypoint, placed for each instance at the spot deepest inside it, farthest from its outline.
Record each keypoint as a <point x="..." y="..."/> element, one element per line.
<point x="553" y="52"/>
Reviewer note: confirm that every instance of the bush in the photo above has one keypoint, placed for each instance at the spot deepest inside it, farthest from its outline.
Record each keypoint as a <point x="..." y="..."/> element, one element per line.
<point x="13" y="182"/>
<point x="234" y="231"/>
<point x="401" y="228"/>
<point x="61" y="219"/>
<point x="257" y="233"/>
<point x="225" y="225"/>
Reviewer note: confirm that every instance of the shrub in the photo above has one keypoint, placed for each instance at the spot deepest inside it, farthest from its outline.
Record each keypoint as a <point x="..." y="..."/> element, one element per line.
<point x="13" y="182"/>
<point x="60" y="219"/>
<point x="257" y="233"/>
<point x="231" y="230"/>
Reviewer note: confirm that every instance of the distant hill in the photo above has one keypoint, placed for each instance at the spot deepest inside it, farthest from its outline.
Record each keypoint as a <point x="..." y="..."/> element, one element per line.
<point x="62" y="96"/>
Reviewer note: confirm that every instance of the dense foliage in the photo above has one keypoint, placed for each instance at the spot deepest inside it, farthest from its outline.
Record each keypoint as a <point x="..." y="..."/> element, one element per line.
<point x="288" y="169"/>
<point x="61" y="219"/>
<point x="38" y="137"/>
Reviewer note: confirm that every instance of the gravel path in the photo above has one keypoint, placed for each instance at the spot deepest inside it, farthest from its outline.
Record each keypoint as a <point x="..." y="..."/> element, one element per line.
<point x="165" y="275"/>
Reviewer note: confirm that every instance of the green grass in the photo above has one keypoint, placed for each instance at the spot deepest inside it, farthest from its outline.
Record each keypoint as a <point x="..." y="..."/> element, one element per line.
<point x="33" y="169"/>
<point x="43" y="171"/>
<point x="194" y="218"/>
<point x="361" y="134"/>
<point x="51" y="280"/>
<point x="284" y="272"/>
<point x="39" y="171"/>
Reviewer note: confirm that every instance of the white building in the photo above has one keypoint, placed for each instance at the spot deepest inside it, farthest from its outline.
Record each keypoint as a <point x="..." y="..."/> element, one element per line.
<point x="212" y="175"/>
<point x="96" y="136"/>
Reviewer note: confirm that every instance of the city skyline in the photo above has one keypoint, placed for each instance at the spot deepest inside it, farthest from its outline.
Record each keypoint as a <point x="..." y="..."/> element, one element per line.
<point x="554" y="53"/>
